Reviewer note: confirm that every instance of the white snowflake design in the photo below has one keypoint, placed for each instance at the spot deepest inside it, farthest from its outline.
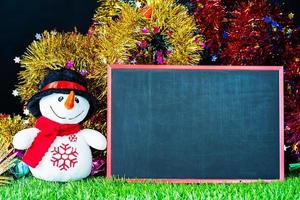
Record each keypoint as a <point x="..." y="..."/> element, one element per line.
<point x="64" y="157"/>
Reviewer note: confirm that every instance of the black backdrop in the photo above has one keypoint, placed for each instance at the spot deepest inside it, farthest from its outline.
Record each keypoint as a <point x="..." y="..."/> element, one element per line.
<point x="21" y="20"/>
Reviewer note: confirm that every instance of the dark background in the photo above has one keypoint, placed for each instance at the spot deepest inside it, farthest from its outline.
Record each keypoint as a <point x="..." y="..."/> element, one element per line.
<point x="21" y="20"/>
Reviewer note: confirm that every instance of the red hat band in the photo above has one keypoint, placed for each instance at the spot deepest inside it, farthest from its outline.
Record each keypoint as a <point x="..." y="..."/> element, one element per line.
<point x="64" y="85"/>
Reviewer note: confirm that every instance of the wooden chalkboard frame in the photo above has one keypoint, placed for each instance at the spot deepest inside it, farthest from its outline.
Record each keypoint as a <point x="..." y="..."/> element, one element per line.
<point x="203" y="67"/>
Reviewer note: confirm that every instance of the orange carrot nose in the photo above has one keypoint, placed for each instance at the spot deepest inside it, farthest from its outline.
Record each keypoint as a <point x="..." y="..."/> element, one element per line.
<point x="69" y="104"/>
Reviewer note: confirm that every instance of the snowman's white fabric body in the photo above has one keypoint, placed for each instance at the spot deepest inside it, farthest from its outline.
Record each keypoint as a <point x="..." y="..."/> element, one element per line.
<point x="69" y="157"/>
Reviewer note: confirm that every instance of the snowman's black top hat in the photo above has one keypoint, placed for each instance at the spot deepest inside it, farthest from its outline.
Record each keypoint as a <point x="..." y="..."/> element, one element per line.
<point x="61" y="81"/>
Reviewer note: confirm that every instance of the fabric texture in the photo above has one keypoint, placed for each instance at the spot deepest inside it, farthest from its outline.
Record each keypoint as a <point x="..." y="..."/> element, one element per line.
<point x="49" y="130"/>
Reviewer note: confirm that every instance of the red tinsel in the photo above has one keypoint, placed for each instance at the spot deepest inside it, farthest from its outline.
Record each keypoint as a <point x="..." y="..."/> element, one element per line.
<point x="293" y="127"/>
<point x="291" y="57"/>
<point x="250" y="40"/>
<point x="260" y="34"/>
<point x="210" y="18"/>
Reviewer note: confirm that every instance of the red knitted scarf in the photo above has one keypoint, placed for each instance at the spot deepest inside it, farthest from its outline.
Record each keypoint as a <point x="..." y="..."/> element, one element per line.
<point x="48" y="132"/>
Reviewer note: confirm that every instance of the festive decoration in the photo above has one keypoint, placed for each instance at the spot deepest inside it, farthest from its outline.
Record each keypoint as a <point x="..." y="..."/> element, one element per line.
<point x="10" y="125"/>
<point x="38" y="36"/>
<point x="211" y="20"/>
<point x="147" y="11"/>
<point x="256" y="35"/>
<point x="26" y="111"/>
<point x="17" y="59"/>
<point x="58" y="150"/>
<point x="291" y="15"/>
<point x="114" y="48"/>
<point x="292" y="132"/>
<point x="167" y="32"/>
<point x="109" y="49"/>
<point x="69" y="64"/>
<point x="6" y="160"/>
<point x="138" y="4"/>
<point x="20" y="153"/>
<point x="15" y="93"/>
<point x="98" y="167"/>
<point x="19" y="170"/>
<point x="172" y="37"/>
<point x="106" y="12"/>
<point x="294" y="166"/>
<point x="162" y="30"/>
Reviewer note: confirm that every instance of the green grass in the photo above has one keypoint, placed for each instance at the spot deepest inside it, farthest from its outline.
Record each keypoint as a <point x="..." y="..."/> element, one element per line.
<point x="101" y="188"/>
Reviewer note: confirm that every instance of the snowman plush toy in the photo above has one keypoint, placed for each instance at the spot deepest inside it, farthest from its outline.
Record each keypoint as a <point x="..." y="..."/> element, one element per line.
<point x="58" y="150"/>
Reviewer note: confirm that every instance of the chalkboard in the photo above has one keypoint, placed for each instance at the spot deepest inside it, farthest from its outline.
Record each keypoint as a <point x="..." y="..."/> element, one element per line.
<point x="195" y="123"/>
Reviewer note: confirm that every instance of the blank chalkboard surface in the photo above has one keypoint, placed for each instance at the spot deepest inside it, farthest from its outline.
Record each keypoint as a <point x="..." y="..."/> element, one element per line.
<point x="195" y="123"/>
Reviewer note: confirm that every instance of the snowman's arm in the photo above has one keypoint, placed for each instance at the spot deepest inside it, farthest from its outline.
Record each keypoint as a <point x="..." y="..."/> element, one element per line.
<point x="24" y="138"/>
<point x="94" y="138"/>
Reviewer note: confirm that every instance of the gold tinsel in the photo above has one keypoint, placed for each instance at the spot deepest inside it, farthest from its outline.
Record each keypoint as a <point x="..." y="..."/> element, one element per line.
<point x="109" y="11"/>
<point x="10" y="125"/>
<point x="6" y="160"/>
<point x="167" y="15"/>
<point x="173" y="17"/>
<point x="113" y="41"/>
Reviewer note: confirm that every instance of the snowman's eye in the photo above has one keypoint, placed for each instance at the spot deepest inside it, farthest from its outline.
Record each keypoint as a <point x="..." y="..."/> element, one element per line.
<point x="76" y="100"/>
<point x="60" y="98"/>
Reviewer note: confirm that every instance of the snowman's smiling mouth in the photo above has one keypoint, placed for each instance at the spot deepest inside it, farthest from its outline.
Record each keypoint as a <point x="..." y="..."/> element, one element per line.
<point x="56" y="114"/>
<point x="76" y="116"/>
<point x="65" y="117"/>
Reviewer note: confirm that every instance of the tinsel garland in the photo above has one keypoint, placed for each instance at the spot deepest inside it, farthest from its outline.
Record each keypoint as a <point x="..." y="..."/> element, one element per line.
<point x="109" y="11"/>
<point x="106" y="12"/>
<point x="113" y="41"/>
<point x="180" y="42"/>
<point x="163" y="30"/>
<point x="11" y="124"/>
<point x="211" y="20"/>
<point x="250" y="40"/>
